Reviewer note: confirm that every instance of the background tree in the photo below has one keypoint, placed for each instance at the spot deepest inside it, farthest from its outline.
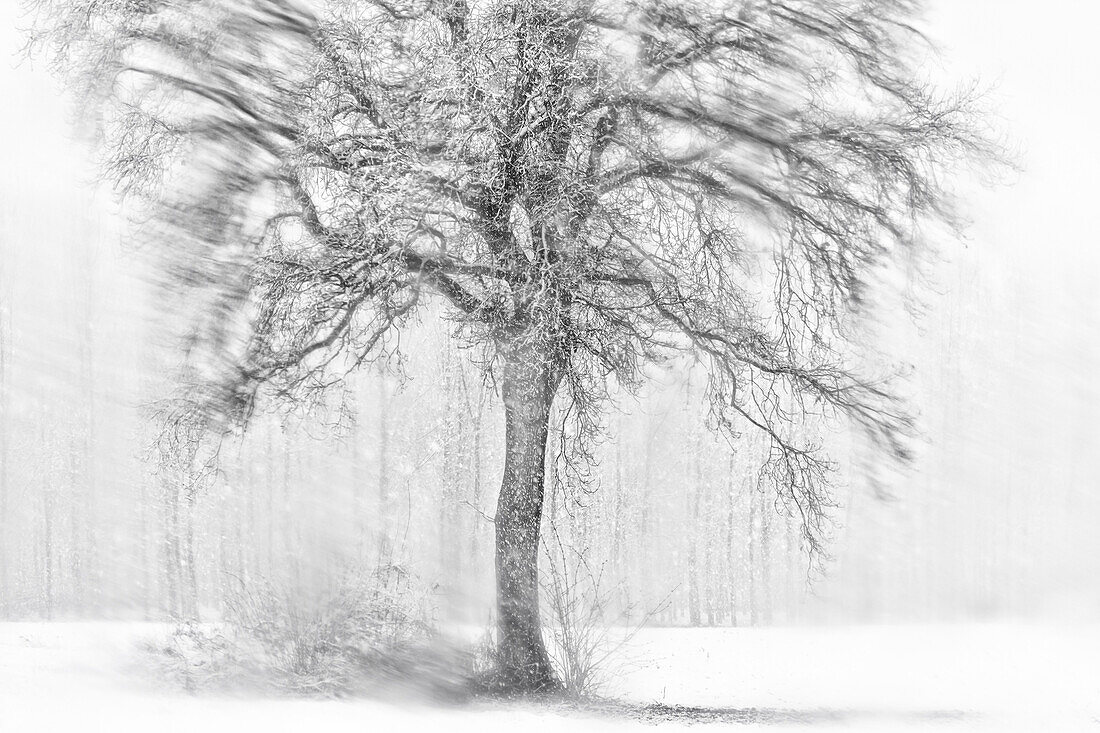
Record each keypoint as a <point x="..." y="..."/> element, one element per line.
<point x="585" y="187"/>
<point x="5" y="348"/>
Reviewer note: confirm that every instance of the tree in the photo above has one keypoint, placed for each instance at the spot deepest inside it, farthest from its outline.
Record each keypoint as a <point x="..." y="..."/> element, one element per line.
<point x="184" y="464"/>
<point x="582" y="187"/>
<point x="5" y="419"/>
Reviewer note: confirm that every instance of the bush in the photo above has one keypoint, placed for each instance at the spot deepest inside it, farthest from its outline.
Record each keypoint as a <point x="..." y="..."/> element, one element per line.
<point x="370" y="629"/>
<point x="585" y="636"/>
<point x="324" y="643"/>
<point x="195" y="657"/>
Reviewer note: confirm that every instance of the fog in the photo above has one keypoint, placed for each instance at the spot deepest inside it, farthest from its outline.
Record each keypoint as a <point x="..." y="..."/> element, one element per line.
<point x="995" y="520"/>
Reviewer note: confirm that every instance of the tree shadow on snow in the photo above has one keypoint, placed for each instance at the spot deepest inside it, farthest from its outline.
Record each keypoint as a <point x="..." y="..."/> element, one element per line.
<point x="656" y="713"/>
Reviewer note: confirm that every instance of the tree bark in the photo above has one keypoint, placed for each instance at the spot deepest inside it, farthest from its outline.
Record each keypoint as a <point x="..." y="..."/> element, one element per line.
<point x="528" y="385"/>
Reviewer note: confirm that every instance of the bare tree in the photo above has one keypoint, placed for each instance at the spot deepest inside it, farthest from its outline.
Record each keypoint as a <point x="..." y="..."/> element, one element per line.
<point x="185" y="463"/>
<point x="583" y="187"/>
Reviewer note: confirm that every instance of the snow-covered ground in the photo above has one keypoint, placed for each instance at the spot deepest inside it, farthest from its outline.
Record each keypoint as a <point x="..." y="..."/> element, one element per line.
<point x="90" y="677"/>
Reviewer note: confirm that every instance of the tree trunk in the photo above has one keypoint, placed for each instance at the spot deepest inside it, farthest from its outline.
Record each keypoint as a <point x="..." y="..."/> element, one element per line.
<point x="731" y="583"/>
<point x="5" y="417"/>
<point x="753" y="605"/>
<point x="694" y="614"/>
<point x="766" y="560"/>
<point x="528" y="385"/>
<point x="171" y="550"/>
<point x="47" y="517"/>
<point x="385" y="547"/>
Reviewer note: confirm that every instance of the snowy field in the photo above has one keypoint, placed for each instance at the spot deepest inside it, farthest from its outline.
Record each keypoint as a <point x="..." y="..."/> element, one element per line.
<point x="92" y="677"/>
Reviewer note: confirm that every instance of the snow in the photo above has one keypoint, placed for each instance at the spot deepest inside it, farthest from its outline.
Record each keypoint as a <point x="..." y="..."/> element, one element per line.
<point x="967" y="676"/>
<point x="91" y="677"/>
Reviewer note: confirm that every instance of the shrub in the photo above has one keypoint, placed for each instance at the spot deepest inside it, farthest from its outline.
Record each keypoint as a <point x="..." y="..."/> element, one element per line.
<point x="585" y="636"/>
<point x="368" y="629"/>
